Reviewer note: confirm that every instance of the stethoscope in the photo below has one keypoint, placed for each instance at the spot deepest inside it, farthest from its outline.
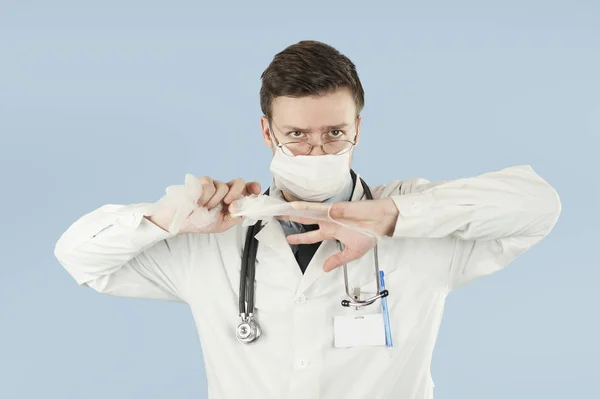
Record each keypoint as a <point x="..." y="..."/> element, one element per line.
<point x="249" y="330"/>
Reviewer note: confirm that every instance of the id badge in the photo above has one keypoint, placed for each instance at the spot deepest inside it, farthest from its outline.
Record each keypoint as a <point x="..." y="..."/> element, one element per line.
<point x="359" y="330"/>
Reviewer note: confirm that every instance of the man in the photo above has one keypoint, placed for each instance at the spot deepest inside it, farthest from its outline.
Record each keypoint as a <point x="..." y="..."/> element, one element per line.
<point x="436" y="237"/>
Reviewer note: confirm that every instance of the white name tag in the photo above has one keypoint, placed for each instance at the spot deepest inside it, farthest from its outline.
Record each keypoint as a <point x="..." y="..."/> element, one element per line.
<point x="359" y="330"/>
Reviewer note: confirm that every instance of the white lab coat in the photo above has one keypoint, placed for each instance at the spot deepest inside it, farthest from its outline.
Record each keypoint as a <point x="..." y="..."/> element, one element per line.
<point x="448" y="233"/>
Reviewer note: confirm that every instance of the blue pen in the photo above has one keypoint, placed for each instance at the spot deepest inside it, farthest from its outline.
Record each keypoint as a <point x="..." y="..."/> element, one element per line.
<point x="386" y="314"/>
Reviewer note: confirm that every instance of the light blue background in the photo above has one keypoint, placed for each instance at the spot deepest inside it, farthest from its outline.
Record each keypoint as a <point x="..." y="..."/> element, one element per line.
<point x="112" y="101"/>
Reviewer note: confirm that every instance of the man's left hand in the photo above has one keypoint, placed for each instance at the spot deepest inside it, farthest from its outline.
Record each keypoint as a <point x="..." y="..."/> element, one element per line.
<point x="377" y="216"/>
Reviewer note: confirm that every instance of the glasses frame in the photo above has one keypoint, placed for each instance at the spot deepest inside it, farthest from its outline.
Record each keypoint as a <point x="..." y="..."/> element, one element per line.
<point x="311" y="146"/>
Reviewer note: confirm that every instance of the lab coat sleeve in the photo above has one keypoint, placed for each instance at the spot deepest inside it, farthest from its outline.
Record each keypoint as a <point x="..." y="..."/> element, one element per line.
<point x="116" y="251"/>
<point x="493" y="217"/>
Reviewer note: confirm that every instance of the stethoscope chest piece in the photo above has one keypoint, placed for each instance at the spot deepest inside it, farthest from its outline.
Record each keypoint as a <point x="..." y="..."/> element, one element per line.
<point x="247" y="331"/>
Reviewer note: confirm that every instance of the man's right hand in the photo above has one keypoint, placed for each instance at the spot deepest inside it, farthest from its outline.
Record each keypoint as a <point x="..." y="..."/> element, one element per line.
<point x="214" y="193"/>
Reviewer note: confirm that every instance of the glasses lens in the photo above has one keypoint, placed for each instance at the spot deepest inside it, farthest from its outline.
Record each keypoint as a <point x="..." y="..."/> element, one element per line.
<point x="337" y="147"/>
<point x="293" y="149"/>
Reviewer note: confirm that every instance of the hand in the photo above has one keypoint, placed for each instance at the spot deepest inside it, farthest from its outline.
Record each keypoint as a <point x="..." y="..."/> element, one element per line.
<point x="214" y="193"/>
<point x="378" y="216"/>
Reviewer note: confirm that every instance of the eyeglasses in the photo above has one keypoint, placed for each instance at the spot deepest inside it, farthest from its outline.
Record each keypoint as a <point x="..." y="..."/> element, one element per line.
<point x="332" y="146"/>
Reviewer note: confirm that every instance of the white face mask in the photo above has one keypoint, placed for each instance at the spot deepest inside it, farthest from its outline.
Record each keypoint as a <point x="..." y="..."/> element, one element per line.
<point x="311" y="178"/>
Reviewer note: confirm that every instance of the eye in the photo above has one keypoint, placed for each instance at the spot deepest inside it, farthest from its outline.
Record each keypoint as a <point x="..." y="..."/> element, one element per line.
<point x="295" y="135"/>
<point x="336" y="134"/>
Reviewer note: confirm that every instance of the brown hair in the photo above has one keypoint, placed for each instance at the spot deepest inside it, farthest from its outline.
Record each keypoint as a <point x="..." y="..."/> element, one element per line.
<point x="308" y="68"/>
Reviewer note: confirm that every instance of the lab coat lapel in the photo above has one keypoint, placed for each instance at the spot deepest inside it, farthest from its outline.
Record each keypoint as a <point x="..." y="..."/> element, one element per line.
<point x="314" y="270"/>
<point x="275" y="262"/>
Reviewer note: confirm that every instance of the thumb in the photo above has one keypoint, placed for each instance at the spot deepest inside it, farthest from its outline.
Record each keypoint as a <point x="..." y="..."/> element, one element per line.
<point x="337" y="260"/>
<point x="229" y="219"/>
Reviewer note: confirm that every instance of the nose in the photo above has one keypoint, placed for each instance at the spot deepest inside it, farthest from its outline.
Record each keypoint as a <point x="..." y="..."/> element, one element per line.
<point x="316" y="150"/>
<point x="317" y="146"/>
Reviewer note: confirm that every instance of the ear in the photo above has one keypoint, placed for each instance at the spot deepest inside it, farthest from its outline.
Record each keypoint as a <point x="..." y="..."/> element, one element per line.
<point x="358" y="120"/>
<point x="266" y="131"/>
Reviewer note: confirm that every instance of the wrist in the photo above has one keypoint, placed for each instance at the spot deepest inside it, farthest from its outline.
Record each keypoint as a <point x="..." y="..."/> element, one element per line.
<point x="162" y="218"/>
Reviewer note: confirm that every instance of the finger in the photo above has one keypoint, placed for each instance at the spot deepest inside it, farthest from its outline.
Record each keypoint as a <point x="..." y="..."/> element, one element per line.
<point x="220" y="192"/>
<point x="208" y="190"/>
<point x="340" y="259"/>
<point x="310" y="237"/>
<point x="357" y="211"/>
<point x="253" y="188"/>
<point x="229" y="219"/>
<point x="236" y="187"/>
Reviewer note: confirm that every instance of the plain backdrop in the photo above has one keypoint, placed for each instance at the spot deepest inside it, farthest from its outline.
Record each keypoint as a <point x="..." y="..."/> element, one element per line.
<point x="113" y="101"/>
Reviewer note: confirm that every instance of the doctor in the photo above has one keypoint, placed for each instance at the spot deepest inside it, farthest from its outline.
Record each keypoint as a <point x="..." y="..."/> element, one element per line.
<point x="437" y="236"/>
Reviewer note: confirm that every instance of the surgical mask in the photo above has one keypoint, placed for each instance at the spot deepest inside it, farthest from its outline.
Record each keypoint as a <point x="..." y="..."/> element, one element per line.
<point x="311" y="178"/>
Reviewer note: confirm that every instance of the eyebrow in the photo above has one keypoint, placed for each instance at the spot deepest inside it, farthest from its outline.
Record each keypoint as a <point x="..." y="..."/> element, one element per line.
<point x="324" y="128"/>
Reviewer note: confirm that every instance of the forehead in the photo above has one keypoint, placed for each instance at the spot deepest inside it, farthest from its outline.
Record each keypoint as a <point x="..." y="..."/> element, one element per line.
<point x="308" y="112"/>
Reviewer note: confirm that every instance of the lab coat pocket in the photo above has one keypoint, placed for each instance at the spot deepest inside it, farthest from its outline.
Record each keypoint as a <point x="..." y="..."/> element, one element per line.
<point x="367" y="290"/>
<point x="409" y="302"/>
